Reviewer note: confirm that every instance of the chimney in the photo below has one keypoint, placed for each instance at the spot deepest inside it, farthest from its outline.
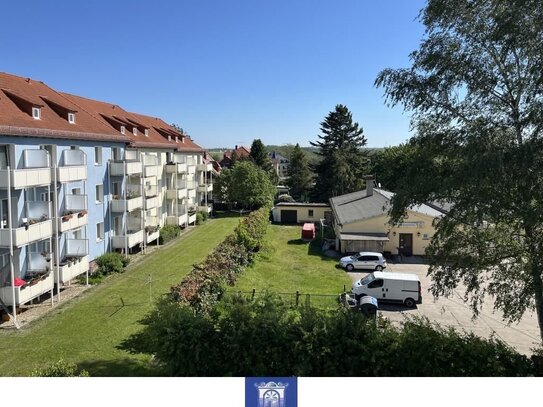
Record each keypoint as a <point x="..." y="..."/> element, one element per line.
<point x="369" y="184"/>
<point x="235" y="148"/>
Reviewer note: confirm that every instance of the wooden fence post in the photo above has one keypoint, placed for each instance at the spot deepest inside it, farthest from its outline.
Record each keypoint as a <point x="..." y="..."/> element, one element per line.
<point x="253" y="294"/>
<point x="297" y="297"/>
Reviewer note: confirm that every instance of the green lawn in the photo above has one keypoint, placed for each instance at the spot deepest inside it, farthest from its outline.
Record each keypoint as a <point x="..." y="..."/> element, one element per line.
<point x="87" y="330"/>
<point x="287" y="264"/>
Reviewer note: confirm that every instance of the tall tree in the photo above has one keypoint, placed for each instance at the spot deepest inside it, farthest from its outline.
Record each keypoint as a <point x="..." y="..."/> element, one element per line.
<point x="343" y="163"/>
<point x="476" y="89"/>
<point x="260" y="158"/>
<point x="300" y="177"/>
<point x="245" y="184"/>
<point x="389" y="164"/>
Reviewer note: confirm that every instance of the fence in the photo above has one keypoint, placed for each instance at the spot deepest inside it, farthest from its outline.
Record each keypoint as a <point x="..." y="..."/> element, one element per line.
<point x="295" y="299"/>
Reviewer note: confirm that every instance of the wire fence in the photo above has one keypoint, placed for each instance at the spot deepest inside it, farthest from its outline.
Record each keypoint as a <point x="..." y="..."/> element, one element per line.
<point x="294" y="299"/>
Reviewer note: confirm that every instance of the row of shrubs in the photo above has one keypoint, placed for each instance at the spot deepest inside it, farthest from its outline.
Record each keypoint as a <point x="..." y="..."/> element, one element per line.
<point x="266" y="337"/>
<point x="204" y="285"/>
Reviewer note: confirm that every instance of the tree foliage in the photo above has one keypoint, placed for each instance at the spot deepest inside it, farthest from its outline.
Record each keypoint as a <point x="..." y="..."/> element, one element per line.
<point x="343" y="163"/>
<point x="476" y="89"/>
<point x="245" y="184"/>
<point x="300" y="177"/>
<point x="388" y="165"/>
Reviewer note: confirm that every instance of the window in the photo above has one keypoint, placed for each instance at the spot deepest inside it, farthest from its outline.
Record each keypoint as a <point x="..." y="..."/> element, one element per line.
<point x="146" y="132"/>
<point x="135" y="131"/>
<point x="71" y="118"/>
<point x="97" y="155"/>
<point x="36" y="113"/>
<point x="310" y="213"/>
<point x="425" y="237"/>
<point x="4" y="219"/>
<point x="376" y="283"/>
<point x="100" y="231"/>
<point x="169" y="138"/>
<point x="116" y="153"/>
<point x="99" y="194"/>
<point x="122" y="129"/>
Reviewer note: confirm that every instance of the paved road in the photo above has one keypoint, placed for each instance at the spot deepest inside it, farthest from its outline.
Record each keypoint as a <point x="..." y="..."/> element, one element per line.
<point x="453" y="311"/>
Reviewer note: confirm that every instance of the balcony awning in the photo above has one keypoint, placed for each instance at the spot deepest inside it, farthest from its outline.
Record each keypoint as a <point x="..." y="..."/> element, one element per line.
<point x="380" y="237"/>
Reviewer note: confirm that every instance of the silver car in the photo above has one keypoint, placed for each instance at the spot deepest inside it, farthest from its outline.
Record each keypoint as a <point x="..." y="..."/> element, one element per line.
<point x="364" y="260"/>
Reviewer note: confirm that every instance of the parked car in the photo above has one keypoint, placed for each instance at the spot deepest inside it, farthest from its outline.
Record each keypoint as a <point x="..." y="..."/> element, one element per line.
<point x="393" y="287"/>
<point x="364" y="260"/>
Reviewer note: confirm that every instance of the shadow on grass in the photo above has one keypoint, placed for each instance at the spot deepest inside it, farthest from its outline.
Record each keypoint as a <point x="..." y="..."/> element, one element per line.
<point x="125" y="367"/>
<point x="314" y="249"/>
<point x="297" y="241"/>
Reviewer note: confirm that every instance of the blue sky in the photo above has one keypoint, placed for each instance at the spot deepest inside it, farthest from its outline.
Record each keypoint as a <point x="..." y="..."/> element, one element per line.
<point x="226" y="71"/>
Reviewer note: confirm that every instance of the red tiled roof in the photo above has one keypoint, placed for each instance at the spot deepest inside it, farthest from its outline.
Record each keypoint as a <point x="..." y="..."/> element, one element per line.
<point x="240" y="151"/>
<point x="16" y="92"/>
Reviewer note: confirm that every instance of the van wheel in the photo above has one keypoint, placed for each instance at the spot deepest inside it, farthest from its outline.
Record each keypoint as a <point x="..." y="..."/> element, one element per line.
<point x="349" y="267"/>
<point x="379" y="268"/>
<point x="409" y="302"/>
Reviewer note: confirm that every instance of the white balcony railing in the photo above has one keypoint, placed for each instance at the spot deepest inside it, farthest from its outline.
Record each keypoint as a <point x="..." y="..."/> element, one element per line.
<point x="76" y="248"/>
<point x="176" y="168"/>
<point x="27" y="234"/>
<point x="35" y="171"/>
<point x="36" y="286"/>
<point x="204" y="167"/>
<point x="120" y="168"/>
<point x="131" y="239"/>
<point x="70" y="268"/>
<point x="205" y="188"/>
<point x="128" y="205"/>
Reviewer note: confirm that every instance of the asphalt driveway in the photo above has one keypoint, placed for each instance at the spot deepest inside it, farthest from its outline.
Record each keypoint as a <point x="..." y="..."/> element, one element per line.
<point x="453" y="311"/>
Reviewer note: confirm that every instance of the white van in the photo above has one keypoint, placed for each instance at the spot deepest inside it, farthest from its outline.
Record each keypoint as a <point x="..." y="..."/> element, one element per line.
<point x="394" y="287"/>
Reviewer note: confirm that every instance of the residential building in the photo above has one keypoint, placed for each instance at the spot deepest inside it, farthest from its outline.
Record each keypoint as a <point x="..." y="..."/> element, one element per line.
<point x="230" y="156"/>
<point x="361" y="223"/>
<point x="298" y="212"/>
<point x="79" y="178"/>
<point x="280" y="165"/>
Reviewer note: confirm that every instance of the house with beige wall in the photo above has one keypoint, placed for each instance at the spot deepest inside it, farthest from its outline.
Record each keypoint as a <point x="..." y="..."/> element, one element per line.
<point x="296" y="212"/>
<point x="361" y="223"/>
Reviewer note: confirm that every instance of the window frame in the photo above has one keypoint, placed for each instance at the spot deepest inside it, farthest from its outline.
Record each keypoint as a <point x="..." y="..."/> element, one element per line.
<point x="101" y="156"/>
<point x="97" y="188"/>
<point x="100" y="231"/>
<point x="34" y="111"/>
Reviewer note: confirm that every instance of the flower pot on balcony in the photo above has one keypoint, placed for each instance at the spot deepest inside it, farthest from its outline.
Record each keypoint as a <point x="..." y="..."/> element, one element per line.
<point x="81" y="214"/>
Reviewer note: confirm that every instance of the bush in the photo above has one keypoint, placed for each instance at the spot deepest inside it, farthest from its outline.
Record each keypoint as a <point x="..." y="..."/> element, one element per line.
<point x="201" y="217"/>
<point x="109" y="263"/>
<point x="59" y="369"/>
<point x="285" y="198"/>
<point x="266" y="337"/>
<point x="168" y="233"/>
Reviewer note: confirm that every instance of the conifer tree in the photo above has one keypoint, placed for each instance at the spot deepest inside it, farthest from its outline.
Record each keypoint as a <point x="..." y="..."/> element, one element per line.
<point x="300" y="177"/>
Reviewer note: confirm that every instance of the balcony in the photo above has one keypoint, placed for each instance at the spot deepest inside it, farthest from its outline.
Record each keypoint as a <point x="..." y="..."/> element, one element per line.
<point x="35" y="226"/>
<point x="178" y="216"/>
<point x="191" y="194"/>
<point x="204" y="167"/>
<point x="177" y="191"/>
<point x="73" y="166"/>
<point x="151" y="196"/>
<point x="176" y="168"/>
<point x="130" y="239"/>
<point x="123" y="168"/>
<point x="192" y="218"/>
<point x="151" y="167"/>
<point x="205" y="188"/>
<point x="205" y="208"/>
<point x="191" y="185"/>
<point x="70" y="268"/>
<point x="37" y="283"/>
<point x="35" y="171"/>
<point x="74" y="214"/>
<point x="152" y="231"/>
<point x="128" y="202"/>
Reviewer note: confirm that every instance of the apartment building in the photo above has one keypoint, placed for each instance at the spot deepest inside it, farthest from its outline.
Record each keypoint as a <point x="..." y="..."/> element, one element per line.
<point x="79" y="178"/>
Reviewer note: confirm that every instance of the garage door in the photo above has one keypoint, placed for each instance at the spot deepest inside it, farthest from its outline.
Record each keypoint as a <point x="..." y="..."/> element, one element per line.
<point x="289" y="216"/>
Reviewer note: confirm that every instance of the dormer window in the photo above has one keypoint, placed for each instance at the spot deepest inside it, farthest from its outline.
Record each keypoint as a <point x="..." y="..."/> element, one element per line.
<point x="146" y="132"/>
<point x="122" y="129"/>
<point x="176" y="139"/>
<point x="71" y="118"/>
<point x="135" y="131"/>
<point x="36" y="113"/>
<point x="169" y="138"/>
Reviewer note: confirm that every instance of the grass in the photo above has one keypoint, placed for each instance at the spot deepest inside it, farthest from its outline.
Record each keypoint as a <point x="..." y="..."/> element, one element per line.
<point x="87" y="330"/>
<point x="286" y="264"/>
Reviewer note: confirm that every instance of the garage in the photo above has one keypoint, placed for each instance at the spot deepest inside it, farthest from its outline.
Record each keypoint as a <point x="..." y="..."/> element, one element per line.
<point x="289" y="216"/>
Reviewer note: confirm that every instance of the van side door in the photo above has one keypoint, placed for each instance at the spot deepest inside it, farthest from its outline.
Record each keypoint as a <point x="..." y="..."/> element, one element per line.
<point x="376" y="288"/>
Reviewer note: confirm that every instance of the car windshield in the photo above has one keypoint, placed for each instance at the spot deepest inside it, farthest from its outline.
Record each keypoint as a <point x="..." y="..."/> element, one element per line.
<point x="368" y="279"/>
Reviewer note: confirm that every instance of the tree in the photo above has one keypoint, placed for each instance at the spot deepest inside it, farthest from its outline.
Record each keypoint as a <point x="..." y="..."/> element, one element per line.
<point x="343" y="163"/>
<point x="476" y="89"/>
<point x="388" y="165"/>
<point x="300" y="177"/>
<point x="245" y="184"/>
<point x="260" y="158"/>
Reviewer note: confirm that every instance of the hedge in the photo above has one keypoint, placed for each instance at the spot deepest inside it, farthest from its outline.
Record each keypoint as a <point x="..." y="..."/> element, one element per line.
<point x="205" y="284"/>
<point x="266" y="337"/>
<point x="168" y="233"/>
